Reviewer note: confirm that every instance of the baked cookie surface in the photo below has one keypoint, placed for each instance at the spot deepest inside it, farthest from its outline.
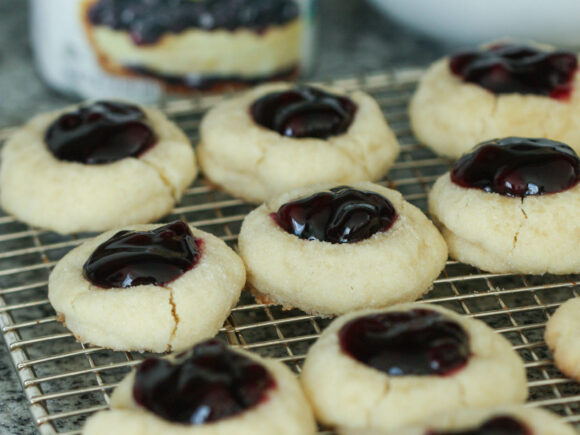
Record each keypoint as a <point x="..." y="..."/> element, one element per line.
<point x="521" y="233"/>
<point x="563" y="337"/>
<point x="449" y="114"/>
<point x="69" y="196"/>
<point x="256" y="163"/>
<point x="282" y="409"/>
<point x="390" y="266"/>
<point x="190" y="307"/>
<point x="515" y="420"/>
<point x="347" y="392"/>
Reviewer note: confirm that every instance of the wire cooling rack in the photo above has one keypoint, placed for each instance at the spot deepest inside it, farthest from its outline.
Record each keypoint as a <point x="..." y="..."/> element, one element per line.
<point x="66" y="381"/>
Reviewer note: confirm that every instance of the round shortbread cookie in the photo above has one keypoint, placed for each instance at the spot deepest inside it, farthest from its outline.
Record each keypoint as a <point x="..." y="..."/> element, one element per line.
<point x="70" y="197"/>
<point x="255" y="163"/>
<point x="563" y="337"/>
<point x="449" y="115"/>
<point x="496" y="233"/>
<point x="285" y="412"/>
<point x="394" y="266"/>
<point x="148" y="317"/>
<point x="346" y="392"/>
<point x="538" y="420"/>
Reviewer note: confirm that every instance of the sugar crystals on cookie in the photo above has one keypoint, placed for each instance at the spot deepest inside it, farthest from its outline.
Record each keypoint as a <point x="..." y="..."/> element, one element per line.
<point x="211" y="389"/>
<point x="330" y="249"/>
<point x="502" y="89"/>
<point x="147" y="287"/>
<point x="94" y="167"/>
<point x="510" y="205"/>
<point x="385" y="369"/>
<point x="282" y="136"/>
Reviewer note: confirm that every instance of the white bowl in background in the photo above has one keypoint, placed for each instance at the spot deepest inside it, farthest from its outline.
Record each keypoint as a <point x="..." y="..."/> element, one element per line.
<point x="475" y="21"/>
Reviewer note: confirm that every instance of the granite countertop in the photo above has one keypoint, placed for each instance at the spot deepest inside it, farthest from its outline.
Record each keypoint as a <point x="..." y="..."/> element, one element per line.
<point x="354" y="39"/>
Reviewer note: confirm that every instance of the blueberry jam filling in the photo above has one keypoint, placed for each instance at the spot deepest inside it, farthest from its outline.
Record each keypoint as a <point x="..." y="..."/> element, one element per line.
<point x="518" y="167"/>
<point x="341" y="215"/>
<point x="102" y="132"/>
<point x="304" y="111"/>
<point x="132" y="258"/>
<point x="398" y="343"/>
<point x="509" y="68"/>
<point x="148" y="20"/>
<point x="502" y="425"/>
<point x="206" y="384"/>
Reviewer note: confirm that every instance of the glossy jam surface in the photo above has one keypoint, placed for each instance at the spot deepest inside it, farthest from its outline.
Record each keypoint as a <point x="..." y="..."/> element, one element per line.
<point x="508" y="68"/>
<point x="341" y="215"/>
<point x="399" y="343"/>
<point x="102" y="132"/>
<point x="132" y="258"/>
<point x="148" y="20"/>
<point x="502" y="425"/>
<point x="518" y="167"/>
<point x="304" y="111"/>
<point x="207" y="384"/>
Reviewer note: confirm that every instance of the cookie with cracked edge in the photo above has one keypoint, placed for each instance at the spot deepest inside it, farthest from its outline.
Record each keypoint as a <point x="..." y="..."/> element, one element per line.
<point x="62" y="193"/>
<point x="256" y="161"/>
<point x="513" y="419"/>
<point x="563" y="338"/>
<point x="449" y="114"/>
<point x="510" y="232"/>
<point x="158" y="318"/>
<point x="346" y="392"/>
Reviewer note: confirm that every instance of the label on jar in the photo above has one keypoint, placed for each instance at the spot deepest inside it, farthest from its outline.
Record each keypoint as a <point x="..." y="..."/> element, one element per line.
<point x="140" y="50"/>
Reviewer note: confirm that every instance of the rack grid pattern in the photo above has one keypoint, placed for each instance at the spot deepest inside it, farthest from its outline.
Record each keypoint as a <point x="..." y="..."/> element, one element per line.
<point x="66" y="381"/>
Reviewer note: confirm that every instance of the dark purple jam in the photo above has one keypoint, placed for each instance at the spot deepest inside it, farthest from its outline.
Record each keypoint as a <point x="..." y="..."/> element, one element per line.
<point x="502" y="425"/>
<point x="508" y="68"/>
<point x="102" y="132"/>
<point x="206" y="384"/>
<point x="341" y="215"/>
<point x="148" y="20"/>
<point x="132" y="258"/>
<point x="304" y="111"/>
<point x="518" y="167"/>
<point x="399" y="343"/>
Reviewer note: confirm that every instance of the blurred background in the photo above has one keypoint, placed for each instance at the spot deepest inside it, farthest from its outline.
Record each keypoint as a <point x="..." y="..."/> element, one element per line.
<point x="350" y="37"/>
<point x="353" y="38"/>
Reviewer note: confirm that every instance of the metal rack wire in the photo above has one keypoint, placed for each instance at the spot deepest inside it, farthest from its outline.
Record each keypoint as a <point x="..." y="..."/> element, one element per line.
<point x="66" y="381"/>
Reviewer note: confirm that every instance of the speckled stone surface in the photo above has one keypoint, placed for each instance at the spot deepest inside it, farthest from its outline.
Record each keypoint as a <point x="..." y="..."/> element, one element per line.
<point x="353" y="39"/>
<point x="14" y="415"/>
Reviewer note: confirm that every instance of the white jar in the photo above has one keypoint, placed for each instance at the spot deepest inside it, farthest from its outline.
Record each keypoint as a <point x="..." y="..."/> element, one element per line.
<point x="142" y="50"/>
